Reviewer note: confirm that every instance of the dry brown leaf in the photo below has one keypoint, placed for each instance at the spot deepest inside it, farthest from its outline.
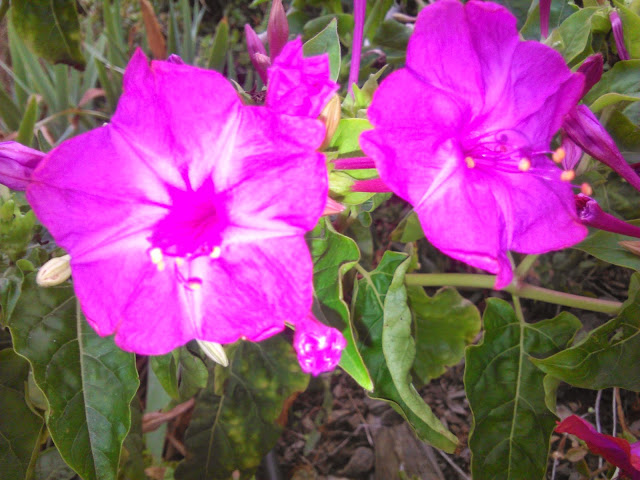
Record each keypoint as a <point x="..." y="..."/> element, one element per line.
<point x="154" y="32"/>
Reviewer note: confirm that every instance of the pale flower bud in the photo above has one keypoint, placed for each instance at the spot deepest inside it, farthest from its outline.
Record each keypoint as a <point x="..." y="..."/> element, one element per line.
<point x="54" y="272"/>
<point x="214" y="351"/>
<point x="330" y="116"/>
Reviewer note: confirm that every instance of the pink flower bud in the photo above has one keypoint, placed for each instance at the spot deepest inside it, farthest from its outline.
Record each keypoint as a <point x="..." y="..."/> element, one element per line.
<point x="374" y="185"/>
<point x="582" y="126"/>
<point x="277" y="29"/>
<point x="256" y="50"/>
<point x="333" y="207"/>
<point x="17" y="162"/>
<point x="572" y="154"/>
<point x="318" y="346"/>
<point x="591" y="68"/>
<point x="618" y="35"/>
<point x="592" y="215"/>
<point x="175" y="59"/>
<point x="545" y="10"/>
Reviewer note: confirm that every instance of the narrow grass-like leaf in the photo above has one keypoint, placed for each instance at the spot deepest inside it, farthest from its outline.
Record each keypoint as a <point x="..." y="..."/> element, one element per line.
<point x="376" y="318"/>
<point x="87" y="380"/>
<point x="234" y="422"/>
<point x="333" y="255"/>
<point x="218" y="53"/>
<point x="511" y="422"/>
<point x="608" y="356"/>
<point x="28" y="123"/>
<point x="19" y="427"/>
<point x="9" y="112"/>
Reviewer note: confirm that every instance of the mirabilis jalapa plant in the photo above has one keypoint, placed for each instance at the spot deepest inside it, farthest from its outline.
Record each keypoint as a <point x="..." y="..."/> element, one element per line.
<point x="191" y="214"/>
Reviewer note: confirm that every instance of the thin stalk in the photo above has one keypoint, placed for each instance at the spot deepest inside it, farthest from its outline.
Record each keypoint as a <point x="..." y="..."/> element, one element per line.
<point x="525" y="265"/>
<point x="4" y="6"/>
<point x="518" y="308"/>
<point x="523" y="290"/>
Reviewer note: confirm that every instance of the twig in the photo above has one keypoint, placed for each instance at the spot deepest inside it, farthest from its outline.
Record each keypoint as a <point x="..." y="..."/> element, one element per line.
<point x="177" y="445"/>
<point x="152" y="420"/>
<point x="463" y="475"/>
<point x="621" y="419"/>
<point x="362" y="419"/>
<point x="557" y="454"/>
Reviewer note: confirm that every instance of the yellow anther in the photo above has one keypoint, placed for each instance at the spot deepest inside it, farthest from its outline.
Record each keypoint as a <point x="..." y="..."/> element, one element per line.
<point x="524" y="164"/>
<point x="567" y="175"/>
<point x="216" y="252"/>
<point x="193" y="285"/>
<point x="179" y="261"/>
<point x="161" y="265"/>
<point x="156" y="255"/>
<point x="559" y="155"/>
<point x="470" y="162"/>
<point x="586" y="189"/>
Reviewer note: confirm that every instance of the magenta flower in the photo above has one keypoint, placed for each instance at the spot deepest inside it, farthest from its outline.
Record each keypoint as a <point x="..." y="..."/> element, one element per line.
<point x="463" y="134"/>
<point x="618" y="35"/>
<point x="184" y="216"/>
<point x="545" y="11"/>
<point x="592" y="215"/>
<point x="616" y="451"/>
<point x="359" y="14"/>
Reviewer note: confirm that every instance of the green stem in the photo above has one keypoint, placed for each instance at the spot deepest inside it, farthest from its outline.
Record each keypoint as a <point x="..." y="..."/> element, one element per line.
<point x="518" y="308"/>
<point x="525" y="265"/>
<point x="4" y="6"/>
<point x="523" y="290"/>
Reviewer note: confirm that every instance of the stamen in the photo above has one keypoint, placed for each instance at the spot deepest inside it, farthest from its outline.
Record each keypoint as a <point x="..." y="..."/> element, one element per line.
<point x="524" y="164"/>
<point x="559" y="155"/>
<point x="194" y="284"/>
<point x="160" y="265"/>
<point x="586" y="189"/>
<point x="470" y="162"/>
<point x="216" y="252"/>
<point x="156" y="255"/>
<point x="567" y="175"/>
<point x="179" y="261"/>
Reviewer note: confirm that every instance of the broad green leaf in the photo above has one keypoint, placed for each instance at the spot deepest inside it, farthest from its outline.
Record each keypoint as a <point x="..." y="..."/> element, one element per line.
<point x="51" y="466"/>
<point x="87" y="380"/>
<point x="333" y="255"/>
<point x="573" y="37"/>
<point x="608" y="356"/>
<point x="393" y="34"/>
<point x="165" y="368"/>
<point x="445" y="324"/>
<point x="346" y="138"/>
<point x="392" y="347"/>
<point x="219" y="47"/>
<point x="234" y="422"/>
<point x="10" y="289"/>
<point x="560" y="11"/>
<point x="622" y="79"/>
<point x="605" y="246"/>
<point x="408" y="230"/>
<point x="50" y="28"/>
<point x="624" y="131"/>
<point x="326" y="41"/>
<point x="132" y="457"/>
<point x="19" y="427"/>
<point x="519" y="8"/>
<point x="345" y="24"/>
<point x="511" y="422"/>
<point x="28" y="122"/>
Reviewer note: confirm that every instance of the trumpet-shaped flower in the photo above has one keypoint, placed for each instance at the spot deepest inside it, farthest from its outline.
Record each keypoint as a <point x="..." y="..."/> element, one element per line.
<point x="463" y="133"/>
<point x="616" y="451"/>
<point x="185" y="216"/>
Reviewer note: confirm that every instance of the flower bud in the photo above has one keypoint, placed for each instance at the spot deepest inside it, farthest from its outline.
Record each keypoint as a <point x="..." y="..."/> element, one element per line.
<point x="572" y="154"/>
<point x="17" y="162"/>
<point x="54" y="272"/>
<point x="175" y="59"/>
<point x="277" y="29"/>
<point x="214" y="351"/>
<point x="582" y="126"/>
<point x="255" y="47"/>
<point x="332" y="207"/>
<point x="592" y="69"/>
<point x="545" y="11"/>
<point x="330" y="116"/>
<point x="592" y="215"/>
<point x="318" y="346"/>
<point x="618" y="35"/>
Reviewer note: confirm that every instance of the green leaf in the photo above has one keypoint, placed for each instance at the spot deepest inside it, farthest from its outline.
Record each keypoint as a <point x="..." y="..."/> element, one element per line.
<point x="622" y="80"/>
<point x="51" y="466"/>
<point x="165" y="368"/>
<point x="345" y="24"/>
<point x="608" y="356"/>
<point x="625" y="133"/>
<point x="408" y="230"/>
<point x="234" y="422"/>
<point x="573" y="37"/>
<point x="393" y="34"/>
<point x="20" y="428"/>
<point x="16" y="229"/>
<point x="346" y="138"/>
<point x="28" y="122"/>
<point x="445" y="324"/>
<point x="333" y="255"/>
<point x="375" y="17"/>
<point x="132" y="457"/>
<point x="512" y="424"/>
<point x="87" y="380"/>
<point x="218" y="53"/>
<point x="9" y="111"/>
<point x="605" y="246"/>
<point x="50" y="28"/>
<point x="519" y="8"/>
<point x="384" y="324"/>
<point x="326" y="41"/>
<point x="10" y="290"/>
